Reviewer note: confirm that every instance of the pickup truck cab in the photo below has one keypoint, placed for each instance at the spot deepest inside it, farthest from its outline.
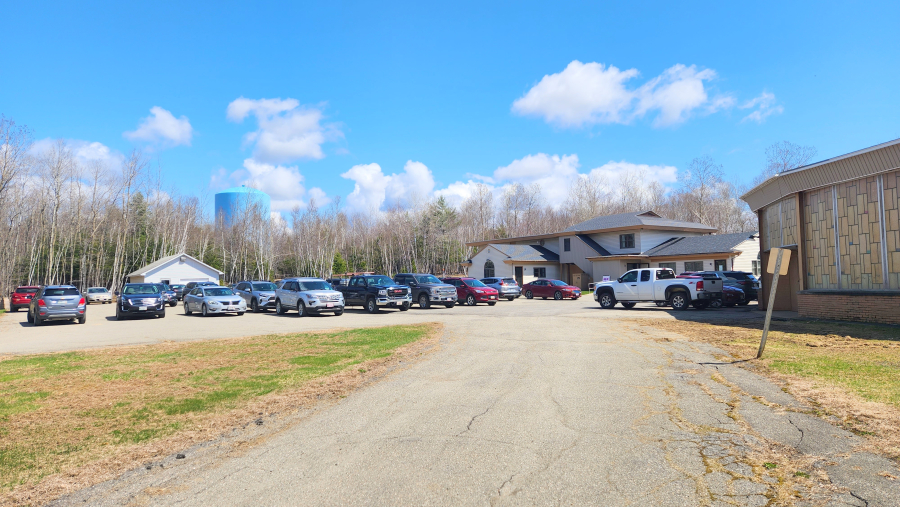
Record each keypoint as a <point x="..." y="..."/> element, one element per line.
<point x="427" y="289"/>
<point x="658" y="285"/>
<point x="374" y="292"/>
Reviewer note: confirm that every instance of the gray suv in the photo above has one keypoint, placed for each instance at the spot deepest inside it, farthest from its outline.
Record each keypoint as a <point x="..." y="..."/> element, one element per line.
<point x="57" y="302"/>
<point x="427" y="289"/>
<point x="506" y="287"/>
<point x="308" y="296"/>
<point x="259" y="294"/>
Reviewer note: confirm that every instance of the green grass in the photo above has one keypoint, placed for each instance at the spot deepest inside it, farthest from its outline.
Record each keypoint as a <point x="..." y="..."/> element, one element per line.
<point x="61" y="411"/>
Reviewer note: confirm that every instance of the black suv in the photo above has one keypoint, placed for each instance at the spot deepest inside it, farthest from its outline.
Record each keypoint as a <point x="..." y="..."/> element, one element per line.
<point x="427" y="289"/>
<point x="140" y="299"/>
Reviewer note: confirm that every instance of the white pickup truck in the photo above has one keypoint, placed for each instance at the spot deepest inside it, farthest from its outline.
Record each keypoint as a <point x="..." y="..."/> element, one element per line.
<point x="659" y="285"/>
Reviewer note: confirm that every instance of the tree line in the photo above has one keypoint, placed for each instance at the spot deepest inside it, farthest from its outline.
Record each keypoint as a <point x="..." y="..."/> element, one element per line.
<point x="90" y="224"/>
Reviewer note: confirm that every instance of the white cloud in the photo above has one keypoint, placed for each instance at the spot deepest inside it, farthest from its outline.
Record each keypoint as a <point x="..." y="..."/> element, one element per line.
<point x="614" y="172"/>
<point x="283" y="184"/>
<point x="765" y="106"/>
<point x="591" y="93"/>
<point x="85" y="152"/>
<point x="287" y="131"/>
<point x="162" y="127"/>
<point x="373" y="188"/>
<point x="553" y="174"/>
<point x="456" y="193"/>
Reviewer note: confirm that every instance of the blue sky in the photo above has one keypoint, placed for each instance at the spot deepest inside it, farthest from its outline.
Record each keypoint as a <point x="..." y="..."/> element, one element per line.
<point x="378" y="103"/>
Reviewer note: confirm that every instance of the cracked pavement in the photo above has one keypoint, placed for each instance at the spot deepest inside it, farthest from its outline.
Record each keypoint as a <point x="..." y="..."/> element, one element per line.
<point x="536" y="403"/>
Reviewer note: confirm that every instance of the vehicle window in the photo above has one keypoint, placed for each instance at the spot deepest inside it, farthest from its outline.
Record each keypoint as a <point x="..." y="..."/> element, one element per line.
<point x="475" y="283"/>
<point x="358" y="282"/>
<point x="197" y="291"/>
<point x="454" y="283"/>
<point x="264" y="286"/>
<point x="315" y="285"/>
<point x="427" y="279"/>
<point x="95" y="290"/>
<point x="558" y="283"/>
<point x="21" y="290"/>
<point x="645" y="275"/>
<point x="218" y="291"/>
<point x="665" y="274"/>
<point x="60" y="292"/>
<point x="630" y="277"/>
<point x="509" y="281"/>
<point x="380" y="280"/>
<point x="146" y="288"/>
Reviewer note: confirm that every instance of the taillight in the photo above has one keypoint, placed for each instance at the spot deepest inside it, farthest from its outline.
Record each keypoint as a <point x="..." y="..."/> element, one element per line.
<point x="700" y="285"/>
<point x="81" y="303"/>
<point x="41" y="302"/>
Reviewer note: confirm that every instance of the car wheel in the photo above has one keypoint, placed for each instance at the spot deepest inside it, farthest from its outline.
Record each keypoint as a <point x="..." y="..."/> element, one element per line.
<point x="557" y="295"/>
<point x="118" y="313"/>
<point x="162" y="315"/>
<point x="29" y="318"/>
<point x="82" y="319"/>
<point x="371" y="305"/>
<point x="511" y="298"/>
<point x="607" y="301"/>
<point x="716" y="303"/>
<point x="528" y="294"/>
<point x="338" y="313"/>
<point x="187" y="308"/>
<point x="492" y="304"/>
<point x="450" y="305"/>
<point x="662" y="303"/>
<point x="204" y="311"/>
<point x="628" y="306"/>
<point x="37" y="320"/>
<point x="240" y="313"/>
<point x="301" y="309"/>
<point x="701" y="305"/>
<point x="14" y="308"/>
<point x="423" y="301"/>
<point x="679" y="301"/>
<point x="278" y="308"/>
<point x="744" y="302"/>
<point x="470" y="300"/>
<point x="254" y="306"/>
<point x="173" y="304"/>
<point x="405" y="306"/>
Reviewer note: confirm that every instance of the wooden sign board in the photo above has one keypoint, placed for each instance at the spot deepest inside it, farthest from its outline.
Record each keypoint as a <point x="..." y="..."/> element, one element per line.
<point x="773" y="259"/>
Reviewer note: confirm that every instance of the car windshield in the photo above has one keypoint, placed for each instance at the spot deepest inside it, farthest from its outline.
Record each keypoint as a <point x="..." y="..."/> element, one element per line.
<point x="60" y="292"/>
<point x="315" y="285"/>
<point x="164" y="287"/>
<point x="475" y="283"/>
<point x="269" y="286"/>
<point x="22" y="290"/>
<point x="97" y="290"/>
<point x="218" y="291"/>
<point x="427" y="279"/>
<point x="379" y="280"/>
<point x="140" y="289"/>
<point x="177" y="286"/>
<point x="558" y="283"/>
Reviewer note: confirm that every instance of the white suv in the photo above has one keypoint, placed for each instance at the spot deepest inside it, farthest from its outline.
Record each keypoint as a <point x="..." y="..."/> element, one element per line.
<point x="308" y="296"/>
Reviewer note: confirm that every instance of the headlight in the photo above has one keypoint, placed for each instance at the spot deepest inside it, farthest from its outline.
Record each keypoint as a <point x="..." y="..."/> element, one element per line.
<point x="479" y="291"/>
<point x="435" y="291"/>
<point x="214" y="303"/>
<point x="382" y="292"/>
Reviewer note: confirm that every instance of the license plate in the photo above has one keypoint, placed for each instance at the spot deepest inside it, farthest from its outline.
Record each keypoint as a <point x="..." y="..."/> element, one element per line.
<point x="232" y="309"/>
<point x="142" y="308"/>
<point x="493" y="297"/>
<point x="329" y="305"/>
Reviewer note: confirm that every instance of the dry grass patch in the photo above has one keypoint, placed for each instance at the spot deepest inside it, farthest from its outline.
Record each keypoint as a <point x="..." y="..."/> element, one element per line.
<point x="847" y="370"/>
<point x="72" y="419"/>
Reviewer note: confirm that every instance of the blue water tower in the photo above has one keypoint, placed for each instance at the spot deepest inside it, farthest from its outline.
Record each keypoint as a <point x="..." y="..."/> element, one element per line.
<point x="235" y="200"/>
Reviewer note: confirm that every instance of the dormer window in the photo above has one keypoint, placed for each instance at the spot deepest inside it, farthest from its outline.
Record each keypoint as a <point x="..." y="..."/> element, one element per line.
<point x="626" y="241"/>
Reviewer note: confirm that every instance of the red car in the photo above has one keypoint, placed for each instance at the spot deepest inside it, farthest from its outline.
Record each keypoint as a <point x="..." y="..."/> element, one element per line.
<point x="545" y="288"/>
<point x="21" y="298"/>
<point x="473" y="291"/>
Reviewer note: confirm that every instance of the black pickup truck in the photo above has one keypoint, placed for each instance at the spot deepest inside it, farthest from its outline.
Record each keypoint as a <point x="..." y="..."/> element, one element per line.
<point x="374" y="292"/>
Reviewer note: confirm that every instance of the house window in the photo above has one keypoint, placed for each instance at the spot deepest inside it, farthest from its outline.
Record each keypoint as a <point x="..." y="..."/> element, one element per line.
<point x="489" y="269"/>
<point x="540" y="272"/>
<point x="635" y="265"/>
<point x="667" y="265"/>
<point x="626" y="241"/>
<point x="693" y="266"/>
<point x="567" y="245"/>
<point x="754" y="266"/>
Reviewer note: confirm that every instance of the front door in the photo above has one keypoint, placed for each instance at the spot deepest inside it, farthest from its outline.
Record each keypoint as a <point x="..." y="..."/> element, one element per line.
<point x="519" y="276"/>
<point x="576" y="280"/>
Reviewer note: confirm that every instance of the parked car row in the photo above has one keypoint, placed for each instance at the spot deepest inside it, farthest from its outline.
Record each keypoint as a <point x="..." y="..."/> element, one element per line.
<point x="701" y="289"/>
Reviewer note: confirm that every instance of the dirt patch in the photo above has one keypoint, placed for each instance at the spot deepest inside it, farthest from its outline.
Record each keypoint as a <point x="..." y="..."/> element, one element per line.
<point x="849" y="372"/>
<point x="78" y="419"/>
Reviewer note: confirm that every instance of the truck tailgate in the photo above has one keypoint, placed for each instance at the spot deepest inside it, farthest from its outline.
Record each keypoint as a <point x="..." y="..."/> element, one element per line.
<point x="712" y="284"/>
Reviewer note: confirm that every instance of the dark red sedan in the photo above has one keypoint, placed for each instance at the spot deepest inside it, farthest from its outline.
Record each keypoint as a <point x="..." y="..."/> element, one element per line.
<point x="546" y="288"/>
<point x="21" y="297"/>
<point x="472" y="291"/>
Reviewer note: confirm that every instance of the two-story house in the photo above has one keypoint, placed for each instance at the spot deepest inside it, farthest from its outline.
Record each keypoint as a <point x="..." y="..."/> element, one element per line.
<point x="610" y="245"/>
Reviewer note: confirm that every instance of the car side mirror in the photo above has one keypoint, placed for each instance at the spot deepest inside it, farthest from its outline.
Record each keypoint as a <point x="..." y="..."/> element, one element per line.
<point x="116" y="293"/>
<point x="413" y="284"/>
<point x="619" y="279"/>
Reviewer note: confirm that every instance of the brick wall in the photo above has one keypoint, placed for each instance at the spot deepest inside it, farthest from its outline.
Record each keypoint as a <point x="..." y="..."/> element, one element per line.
<point x="859" y="306"/>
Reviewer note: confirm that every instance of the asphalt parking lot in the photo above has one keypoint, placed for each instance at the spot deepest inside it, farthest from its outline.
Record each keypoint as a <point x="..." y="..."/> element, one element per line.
<point x="17" y="336"/>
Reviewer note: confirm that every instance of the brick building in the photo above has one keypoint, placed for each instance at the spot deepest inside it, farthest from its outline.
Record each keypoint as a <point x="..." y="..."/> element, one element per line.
<point x="841" y="219"/>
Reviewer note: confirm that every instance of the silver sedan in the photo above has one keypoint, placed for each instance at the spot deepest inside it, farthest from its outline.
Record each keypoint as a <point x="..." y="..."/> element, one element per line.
<point x="98" y="295"/>
<point x="209" y="300"/>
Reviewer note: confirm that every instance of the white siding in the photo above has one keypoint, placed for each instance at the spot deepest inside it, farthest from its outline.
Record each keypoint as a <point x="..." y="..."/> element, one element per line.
<point x="577" y="255"/>
<point x="651" y="239"/>
<point x="749" y="252"/>
<point x="181" y="272"/>
<point x="612" y="269"/>
<point x="528" y="271"/>
<point x="500" y="268"/>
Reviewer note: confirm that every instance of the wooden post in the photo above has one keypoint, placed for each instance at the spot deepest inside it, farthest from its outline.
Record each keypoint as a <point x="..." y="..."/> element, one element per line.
<point x="782" y="258"/>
